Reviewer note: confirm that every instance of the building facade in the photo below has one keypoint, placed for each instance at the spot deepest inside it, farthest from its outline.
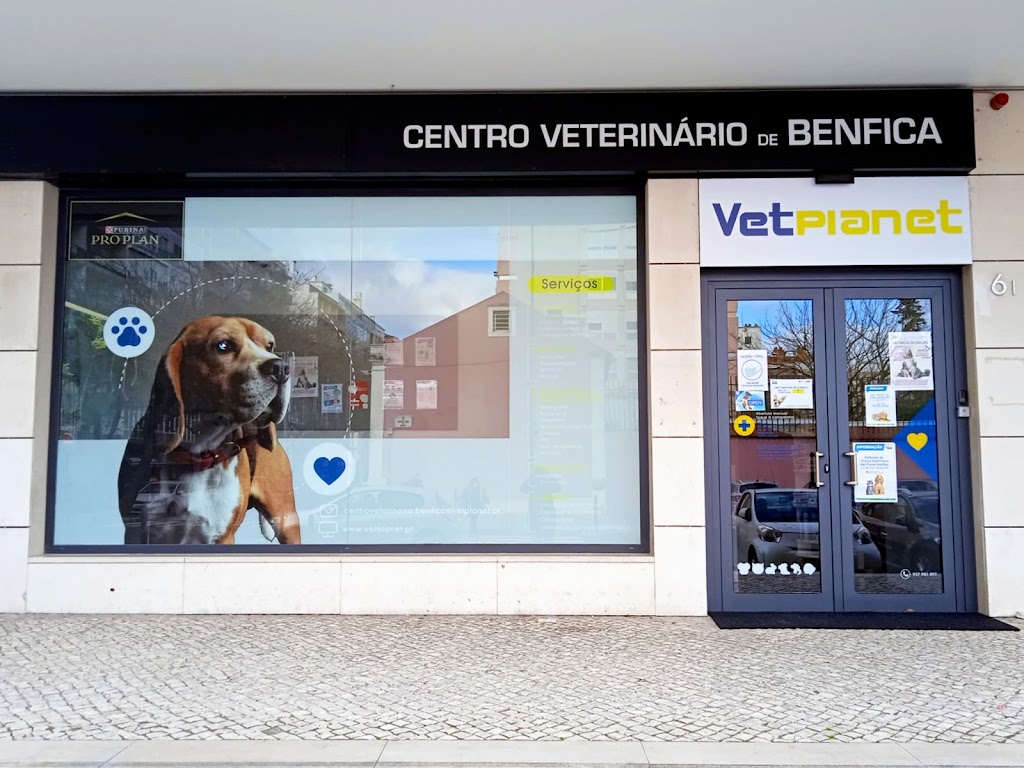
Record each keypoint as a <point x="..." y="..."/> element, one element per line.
<point x="598" y="378"/>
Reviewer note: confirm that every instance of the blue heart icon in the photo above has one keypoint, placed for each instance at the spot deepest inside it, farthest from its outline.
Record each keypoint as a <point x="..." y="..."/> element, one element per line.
<point x="329" y="470"/>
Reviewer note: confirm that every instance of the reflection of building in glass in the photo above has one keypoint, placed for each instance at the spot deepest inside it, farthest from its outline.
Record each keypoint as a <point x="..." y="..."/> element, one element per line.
<point x="340" y="335"/>
<point x="466" y="356"/>
<point x="749" y="337"/>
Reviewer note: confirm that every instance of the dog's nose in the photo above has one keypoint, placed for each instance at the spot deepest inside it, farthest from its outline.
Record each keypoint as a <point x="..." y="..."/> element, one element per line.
<point x="278" y="370"/>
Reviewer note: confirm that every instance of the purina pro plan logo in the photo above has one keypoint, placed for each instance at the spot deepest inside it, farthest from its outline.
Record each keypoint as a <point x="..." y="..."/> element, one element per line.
<point x="872" y="222"/>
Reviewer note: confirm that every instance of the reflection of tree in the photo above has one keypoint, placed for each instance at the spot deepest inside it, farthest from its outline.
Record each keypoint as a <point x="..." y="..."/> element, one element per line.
<point x="868" y="325"/>
<point x="789" y="337"/>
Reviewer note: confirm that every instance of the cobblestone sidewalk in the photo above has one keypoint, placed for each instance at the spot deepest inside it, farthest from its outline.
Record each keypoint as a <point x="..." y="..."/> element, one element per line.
<point x="303" y="677"/>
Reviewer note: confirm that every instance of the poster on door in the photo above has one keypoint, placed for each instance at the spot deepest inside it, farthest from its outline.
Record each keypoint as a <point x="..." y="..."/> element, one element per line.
<point x="749" y="401"/>
<point x="752" y="367"/>
<point x="795" y="394"/>
<point x="879" y="405"/>
<point x="910" y="360"/>
<point x="875" y="465"/>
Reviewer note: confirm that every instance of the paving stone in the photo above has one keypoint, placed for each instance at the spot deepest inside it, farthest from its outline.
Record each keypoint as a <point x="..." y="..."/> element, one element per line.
<point x="509" y="678"/>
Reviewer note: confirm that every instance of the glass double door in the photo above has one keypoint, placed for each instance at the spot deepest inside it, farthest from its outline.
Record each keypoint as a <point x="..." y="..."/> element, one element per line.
<point x="837" y="436"/>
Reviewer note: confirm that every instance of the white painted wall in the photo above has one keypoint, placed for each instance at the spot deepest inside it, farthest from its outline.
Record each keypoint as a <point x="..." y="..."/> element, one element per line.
<point x="995" y="337"/>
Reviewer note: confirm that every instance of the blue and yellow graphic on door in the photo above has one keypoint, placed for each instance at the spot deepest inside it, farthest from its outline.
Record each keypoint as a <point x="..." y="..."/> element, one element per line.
<point x="917" y="440"/>
<point x="744" y="426"/>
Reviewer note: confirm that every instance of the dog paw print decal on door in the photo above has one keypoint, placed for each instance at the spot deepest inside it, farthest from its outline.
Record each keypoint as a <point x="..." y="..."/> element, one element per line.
<point x="128" y="332"/>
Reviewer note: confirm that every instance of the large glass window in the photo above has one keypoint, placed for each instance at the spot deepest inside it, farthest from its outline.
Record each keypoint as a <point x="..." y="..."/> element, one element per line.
<point x="340" y="371"/>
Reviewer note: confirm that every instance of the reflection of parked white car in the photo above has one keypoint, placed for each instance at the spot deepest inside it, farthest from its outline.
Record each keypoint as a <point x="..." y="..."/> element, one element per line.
<point x="776" y="525"/>
<point x="737" y="487"/>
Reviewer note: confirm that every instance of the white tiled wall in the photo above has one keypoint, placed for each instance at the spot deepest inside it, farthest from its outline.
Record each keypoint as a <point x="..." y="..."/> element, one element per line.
<point x="27" y="226"/>
<point x="13" y="574"/>
<point x="676" y="386"/>
<point x="390" y="586"/>
<point x="128" y="584"/>
<point x="671" y="581"/>
<point x="996" y="332"/>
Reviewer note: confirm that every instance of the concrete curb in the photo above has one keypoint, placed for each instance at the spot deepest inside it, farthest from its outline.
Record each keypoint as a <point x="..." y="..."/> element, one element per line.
<point x="108" y="754"/>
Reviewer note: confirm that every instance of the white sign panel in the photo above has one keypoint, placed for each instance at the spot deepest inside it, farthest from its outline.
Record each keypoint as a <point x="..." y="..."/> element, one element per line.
<point x="793" y="393"/>
<point x="752" y="367"/>
<point x="876" y="472"/>
<point x="910" y="360"/>
<point x="879" y="405"/>
<point x="795" y="222"/>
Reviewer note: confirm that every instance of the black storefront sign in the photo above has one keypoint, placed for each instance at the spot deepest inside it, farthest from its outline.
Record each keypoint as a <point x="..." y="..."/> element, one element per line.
<point x="863" y="131"/>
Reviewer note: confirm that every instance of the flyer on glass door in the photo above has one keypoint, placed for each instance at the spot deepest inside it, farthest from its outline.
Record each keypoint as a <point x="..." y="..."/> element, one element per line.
<point x="875" y="465"/>
<point x="793" y="393"/>
<point x="752" y="366"/>
<point x="879" y="405"/>
<point x="910" y="360"/>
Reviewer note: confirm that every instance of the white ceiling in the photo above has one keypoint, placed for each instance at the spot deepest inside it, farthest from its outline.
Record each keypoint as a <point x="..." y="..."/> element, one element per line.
<point x="329" y="45"/>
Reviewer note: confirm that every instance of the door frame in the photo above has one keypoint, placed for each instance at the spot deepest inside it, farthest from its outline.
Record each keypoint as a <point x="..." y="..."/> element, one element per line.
<point x="949" y="281"/>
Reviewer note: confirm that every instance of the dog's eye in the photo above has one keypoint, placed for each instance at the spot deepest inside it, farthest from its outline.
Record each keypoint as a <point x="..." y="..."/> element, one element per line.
<point x="270" y="346"/>
<point x="224" y="345"/>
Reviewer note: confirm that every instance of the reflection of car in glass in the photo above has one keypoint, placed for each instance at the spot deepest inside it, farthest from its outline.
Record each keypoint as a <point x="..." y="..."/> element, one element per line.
<point x="907" y="532"/>
<point x="774" y="525"/>
<point x="155" y="495"/>
<point x="917" y="486"/>
<point x="738" y="487"/>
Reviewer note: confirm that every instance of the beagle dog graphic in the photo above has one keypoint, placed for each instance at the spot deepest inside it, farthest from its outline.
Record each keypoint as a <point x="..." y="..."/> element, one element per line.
<point x="205" y="452"/>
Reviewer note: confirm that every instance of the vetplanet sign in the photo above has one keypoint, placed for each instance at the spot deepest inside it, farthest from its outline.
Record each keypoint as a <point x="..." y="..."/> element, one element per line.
<point x="795" y="222"/>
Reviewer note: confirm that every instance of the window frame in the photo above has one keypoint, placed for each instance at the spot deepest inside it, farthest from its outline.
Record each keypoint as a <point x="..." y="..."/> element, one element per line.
<point x="633" y="186"/>
<point x="492" y="332"/>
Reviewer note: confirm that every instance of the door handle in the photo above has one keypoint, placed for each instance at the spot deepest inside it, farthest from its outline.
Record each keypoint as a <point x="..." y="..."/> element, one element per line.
<point x="853" y="468"/>
<point x="816" y="457"/>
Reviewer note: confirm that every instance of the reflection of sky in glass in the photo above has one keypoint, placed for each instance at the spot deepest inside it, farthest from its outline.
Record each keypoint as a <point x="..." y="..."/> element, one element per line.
<point x="412" y="261"/>
<point x="759" y="313"/>
<point x="406" y="296"/>
<point x="409" y="277"/>
<point x="766" y="313"/>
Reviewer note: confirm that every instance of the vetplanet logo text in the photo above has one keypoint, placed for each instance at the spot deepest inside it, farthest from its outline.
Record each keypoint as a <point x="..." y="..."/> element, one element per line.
<point x="854" y="221"/>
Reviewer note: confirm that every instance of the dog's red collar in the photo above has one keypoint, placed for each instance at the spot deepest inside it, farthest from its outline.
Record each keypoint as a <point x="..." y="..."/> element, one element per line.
<point x="199" y="462"/>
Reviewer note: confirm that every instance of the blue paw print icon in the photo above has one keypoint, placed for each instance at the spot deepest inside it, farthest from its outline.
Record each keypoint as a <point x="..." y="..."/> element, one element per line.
<point x="129" y="335"/>
<point x="128" y="332"/>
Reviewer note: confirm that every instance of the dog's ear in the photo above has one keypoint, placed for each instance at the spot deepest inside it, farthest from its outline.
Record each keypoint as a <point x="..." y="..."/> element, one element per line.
<point x="166" y="402"/>
<point x="267" y="436"/>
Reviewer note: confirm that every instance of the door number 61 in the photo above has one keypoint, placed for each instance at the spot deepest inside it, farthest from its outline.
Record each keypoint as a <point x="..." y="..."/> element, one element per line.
<point x="999" y="286"/>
